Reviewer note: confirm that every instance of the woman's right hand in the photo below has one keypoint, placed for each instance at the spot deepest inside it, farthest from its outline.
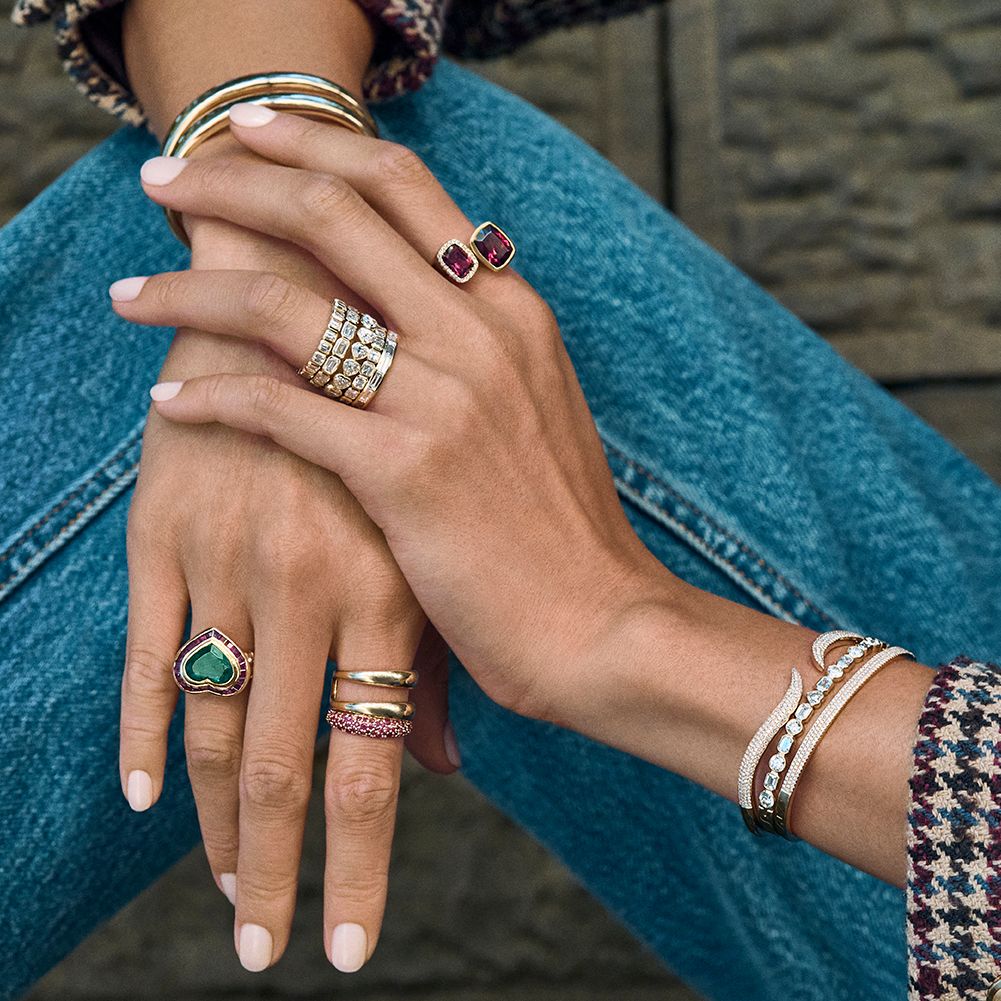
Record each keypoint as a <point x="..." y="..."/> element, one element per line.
<point x="276" y="552"/>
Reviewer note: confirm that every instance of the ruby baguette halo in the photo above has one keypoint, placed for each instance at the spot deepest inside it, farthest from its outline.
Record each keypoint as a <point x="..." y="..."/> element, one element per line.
<point x="488" y="245"/>
<point x="211" y="662"/>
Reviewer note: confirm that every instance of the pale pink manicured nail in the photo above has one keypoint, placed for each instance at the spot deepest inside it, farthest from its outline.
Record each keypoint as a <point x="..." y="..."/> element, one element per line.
<point x="162" y="169"/>
<point x="255" y="948"/>
<point x="227" y="880"/>
<point x="348" y="946"/>
<point x="251" y="115"/>
<point x="139" y="791"/>
<point x="165" y="391"/>
<point x="126" y="289"/>
<point x="451" y="747"/>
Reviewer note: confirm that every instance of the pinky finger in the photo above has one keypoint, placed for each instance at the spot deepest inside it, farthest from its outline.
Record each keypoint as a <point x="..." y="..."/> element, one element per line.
<point x="158" y="603"/>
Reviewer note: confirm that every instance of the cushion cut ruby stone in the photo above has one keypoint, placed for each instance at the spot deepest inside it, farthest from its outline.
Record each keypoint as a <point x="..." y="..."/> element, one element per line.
<point x="458" y="260"/>
<point x="493" y="245"/>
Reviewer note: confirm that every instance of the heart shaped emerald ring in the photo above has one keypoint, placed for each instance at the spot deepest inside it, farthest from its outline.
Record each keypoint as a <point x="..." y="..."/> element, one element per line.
<point x="212" y="662"/>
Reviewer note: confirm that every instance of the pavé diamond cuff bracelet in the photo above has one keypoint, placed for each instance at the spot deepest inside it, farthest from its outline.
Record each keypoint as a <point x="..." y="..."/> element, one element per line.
<point x="816" y="732"/>
<point x="791" y="714"/>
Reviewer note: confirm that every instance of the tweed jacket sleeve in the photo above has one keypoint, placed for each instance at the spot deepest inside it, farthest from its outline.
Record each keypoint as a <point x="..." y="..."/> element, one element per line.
<point x="413" y="33"/>
<point x="954" y="838"/>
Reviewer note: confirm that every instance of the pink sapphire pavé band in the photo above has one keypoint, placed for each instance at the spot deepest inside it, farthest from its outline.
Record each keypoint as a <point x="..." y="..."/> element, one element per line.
<point x="489" y="245"/>
<point x="368" y="726"/>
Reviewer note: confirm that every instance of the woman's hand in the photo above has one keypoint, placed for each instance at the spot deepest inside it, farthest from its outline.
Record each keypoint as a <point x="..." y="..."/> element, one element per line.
<point x="478" y="458"/>
<point x="279" y="555"/>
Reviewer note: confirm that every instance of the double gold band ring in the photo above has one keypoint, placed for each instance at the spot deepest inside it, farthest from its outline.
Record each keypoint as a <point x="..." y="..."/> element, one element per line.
<point x="373" y="719"/>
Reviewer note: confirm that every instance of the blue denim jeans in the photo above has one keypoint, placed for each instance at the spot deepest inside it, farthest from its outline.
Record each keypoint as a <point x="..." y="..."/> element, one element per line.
<point x="752" y="460"/>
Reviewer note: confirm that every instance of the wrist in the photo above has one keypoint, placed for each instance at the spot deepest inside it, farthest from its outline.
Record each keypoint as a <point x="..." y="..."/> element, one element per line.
<point x="686" y="677"/>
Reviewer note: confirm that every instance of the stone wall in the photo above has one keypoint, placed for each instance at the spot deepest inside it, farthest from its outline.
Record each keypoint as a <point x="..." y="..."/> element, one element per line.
<point x="848" y="156"/>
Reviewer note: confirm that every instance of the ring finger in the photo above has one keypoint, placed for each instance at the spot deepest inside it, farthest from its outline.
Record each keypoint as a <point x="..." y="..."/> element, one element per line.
<point x="391" y="178"/>
<point x="361" y="791"/>
<point x="254" y="305"/>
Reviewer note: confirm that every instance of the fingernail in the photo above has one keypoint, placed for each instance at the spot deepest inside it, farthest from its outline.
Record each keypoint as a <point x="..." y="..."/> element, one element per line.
<point x="227" y="880"/>
<point x="139" y="791"/>
<point x="126" y="289"/>
<point x="251" y="115"/>
<point x="162" y="169"/>
<point x="348" y="946"/>
<point x="165" y="391"/>
<point x="255" y="948"/>
<point x="451" y="747"/>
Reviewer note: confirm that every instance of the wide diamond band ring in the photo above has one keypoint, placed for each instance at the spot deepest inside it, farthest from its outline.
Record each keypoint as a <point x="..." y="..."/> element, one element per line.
<point x="353" y="357"/>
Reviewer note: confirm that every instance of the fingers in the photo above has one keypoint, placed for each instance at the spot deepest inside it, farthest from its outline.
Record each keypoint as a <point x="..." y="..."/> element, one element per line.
<point x="321" y="431"/>
<point x="319" y="212"/>
<point x="253" y="305"/>
<point x="432" y="741"/>
<point x="275" y="778"/>
<point x="213" y="741"/>
<point x="256" y="306"/>
<point x="391" y="178"/>
<point x="158" y="608"/>
<point x="360" y="793"/>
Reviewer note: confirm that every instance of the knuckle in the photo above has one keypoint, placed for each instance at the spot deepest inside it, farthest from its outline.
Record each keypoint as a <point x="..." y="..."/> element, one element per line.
<point x="267" y="401"/>
<point x="362" y="889"/>
<point x="274" y="783"/>
<point x="401" y="166"/>
<point x="271" y="299"/>
<point x="147" y="672"/>
<point x="327" y="197"/>
<point x="363" y="795"/>
<point x="167" y="290"/>
<point x="216" y="174"/>
<point x="212" y="755"/>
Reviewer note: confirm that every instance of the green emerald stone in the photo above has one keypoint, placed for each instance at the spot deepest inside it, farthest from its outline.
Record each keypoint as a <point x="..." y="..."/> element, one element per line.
<point x="210" y="664"/>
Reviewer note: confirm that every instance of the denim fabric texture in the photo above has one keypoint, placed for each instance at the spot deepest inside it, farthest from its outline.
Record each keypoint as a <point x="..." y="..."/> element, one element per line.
<point x="751" y="459"/>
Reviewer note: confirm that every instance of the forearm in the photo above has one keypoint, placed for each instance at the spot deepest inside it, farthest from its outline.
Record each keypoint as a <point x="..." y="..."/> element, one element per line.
<point x="701" y="675"/>
<point x="175" y="51"/>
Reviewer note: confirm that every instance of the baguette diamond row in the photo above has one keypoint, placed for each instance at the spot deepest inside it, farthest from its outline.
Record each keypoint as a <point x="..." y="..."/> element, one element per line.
<point x="352" y="358"/>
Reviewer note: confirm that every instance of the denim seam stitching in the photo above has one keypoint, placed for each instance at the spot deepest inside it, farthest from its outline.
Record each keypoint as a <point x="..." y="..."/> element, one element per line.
<point x="68" y="529"/>
<point x="704" y="547"/>
<point x="66" y="501"/>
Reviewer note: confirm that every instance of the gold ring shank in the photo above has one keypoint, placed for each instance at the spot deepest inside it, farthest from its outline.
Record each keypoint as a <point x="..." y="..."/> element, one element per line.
<point x="380" y="710"/>
<point x="386" y="679"/>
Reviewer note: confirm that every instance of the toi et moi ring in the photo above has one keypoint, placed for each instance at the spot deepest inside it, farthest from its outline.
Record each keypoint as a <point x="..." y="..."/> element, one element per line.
<point x="489" y="245"/>
<point x="211" y="662"/>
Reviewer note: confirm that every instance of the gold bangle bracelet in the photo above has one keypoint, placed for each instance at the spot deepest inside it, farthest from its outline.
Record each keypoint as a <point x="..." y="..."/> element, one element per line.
<point x="383" y="710"/>
<point x="295" y="93"/>
<point x="263" y="85"/>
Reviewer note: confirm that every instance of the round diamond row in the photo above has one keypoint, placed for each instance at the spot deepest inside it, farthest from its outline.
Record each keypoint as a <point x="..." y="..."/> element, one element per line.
<point x="777" y="762"/>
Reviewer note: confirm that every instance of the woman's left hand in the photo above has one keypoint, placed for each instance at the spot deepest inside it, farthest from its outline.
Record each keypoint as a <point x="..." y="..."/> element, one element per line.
<point x="478" y="458"/>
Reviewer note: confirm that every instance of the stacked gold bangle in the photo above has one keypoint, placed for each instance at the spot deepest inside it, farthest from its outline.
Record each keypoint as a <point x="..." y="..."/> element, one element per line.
<point x="299" y="93"/>
<point x="373" y="719"/>
<point x="769" y="809"/>
<point x="353" y="356"/>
